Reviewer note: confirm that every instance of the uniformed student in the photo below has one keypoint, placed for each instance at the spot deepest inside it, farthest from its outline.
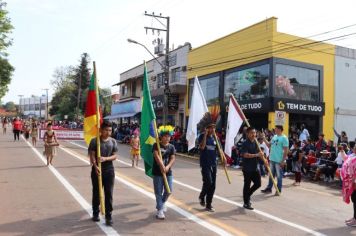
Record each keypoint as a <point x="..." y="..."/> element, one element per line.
<point x="163" y="165"/>
<point x="208" y="163"/>
<point x="251" y="155"/>
<point x="108" y="150"/>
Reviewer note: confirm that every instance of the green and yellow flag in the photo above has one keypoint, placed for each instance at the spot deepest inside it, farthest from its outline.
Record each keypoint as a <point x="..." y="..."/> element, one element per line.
<point x="147" y="132"/>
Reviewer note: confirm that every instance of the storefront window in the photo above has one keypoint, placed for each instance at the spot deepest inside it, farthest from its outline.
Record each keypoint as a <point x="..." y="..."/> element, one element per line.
<point x="210" y="87"/>
<point x="247" y="84"/>
<point x="296" y="83"/>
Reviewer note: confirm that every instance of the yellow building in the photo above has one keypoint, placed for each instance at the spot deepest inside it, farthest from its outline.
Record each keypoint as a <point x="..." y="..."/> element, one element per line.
<point x="276" y="77"/>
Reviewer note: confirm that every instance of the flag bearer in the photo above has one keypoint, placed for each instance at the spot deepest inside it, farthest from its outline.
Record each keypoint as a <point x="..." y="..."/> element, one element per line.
<point x="108" y="150"/>
<point x="251" y="155"/>
<point x="208" y="161"/>
<point x="163" y="165"/>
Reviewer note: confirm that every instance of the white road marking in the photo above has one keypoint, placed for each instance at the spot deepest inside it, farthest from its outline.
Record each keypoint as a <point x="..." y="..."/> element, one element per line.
<point x="262" y="213"/>
<point x="179" y="210"/>
<point x="83" y="203"/>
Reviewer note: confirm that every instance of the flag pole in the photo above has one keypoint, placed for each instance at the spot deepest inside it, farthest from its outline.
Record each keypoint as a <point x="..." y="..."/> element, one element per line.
<point x="222" y="157"/>
<point x="100" y="181"/>
<point x="259" y="149"/>
<point x="160" y="157"/>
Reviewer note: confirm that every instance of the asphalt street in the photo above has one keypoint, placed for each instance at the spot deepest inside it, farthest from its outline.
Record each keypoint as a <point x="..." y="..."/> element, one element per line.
<point x="41" y="200"/>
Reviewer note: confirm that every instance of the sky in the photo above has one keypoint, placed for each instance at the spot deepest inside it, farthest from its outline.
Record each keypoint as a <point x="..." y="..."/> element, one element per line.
<point x="50" y="34"/>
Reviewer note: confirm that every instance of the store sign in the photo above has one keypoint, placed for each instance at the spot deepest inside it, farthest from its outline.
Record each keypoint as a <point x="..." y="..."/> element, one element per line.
<point x="256" y="105"/>
<point x="158" y="102"/>
<point x="280" y="118"/>
<point x="303" y="107"/>
<point x="173" y="101"/>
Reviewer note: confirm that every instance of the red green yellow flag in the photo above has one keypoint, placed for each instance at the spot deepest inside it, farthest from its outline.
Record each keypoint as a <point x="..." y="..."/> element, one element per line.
<point x="90" y="120"/>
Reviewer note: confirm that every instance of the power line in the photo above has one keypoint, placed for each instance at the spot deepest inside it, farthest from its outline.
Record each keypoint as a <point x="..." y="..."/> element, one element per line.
<point x="268" y="47"/>
<point x="269" y="52"/>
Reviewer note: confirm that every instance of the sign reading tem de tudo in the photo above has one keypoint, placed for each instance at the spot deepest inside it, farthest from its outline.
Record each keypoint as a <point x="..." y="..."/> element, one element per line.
<point x="302" y="107"/>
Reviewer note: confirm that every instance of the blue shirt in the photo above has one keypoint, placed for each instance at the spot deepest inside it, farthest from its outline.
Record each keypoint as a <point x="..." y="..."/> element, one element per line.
<point x="208" y="155"/>
<point x="277" y="145"/>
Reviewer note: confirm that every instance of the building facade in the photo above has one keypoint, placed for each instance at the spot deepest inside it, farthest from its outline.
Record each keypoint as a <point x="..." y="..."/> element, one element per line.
<point x="34" y="106"/>
<point x="345" y="84"/>
<point x="276" y="77"/>
<point x="129" y="105"/>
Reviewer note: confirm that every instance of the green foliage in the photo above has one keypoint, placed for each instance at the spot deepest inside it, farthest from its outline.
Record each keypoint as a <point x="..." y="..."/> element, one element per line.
<point x="71" y="85"/>
<point x="10" y="107"/>
<point x="6" y="69"/>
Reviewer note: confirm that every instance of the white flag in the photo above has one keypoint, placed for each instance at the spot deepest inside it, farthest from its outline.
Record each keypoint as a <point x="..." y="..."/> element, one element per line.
<point x="234" y="122"/>
<point x="198" y="108"/>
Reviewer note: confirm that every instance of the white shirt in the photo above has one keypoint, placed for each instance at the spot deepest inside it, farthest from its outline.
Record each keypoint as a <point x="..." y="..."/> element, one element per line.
<point x="304" y="135"/>
<point x="266" y="149"/>
<point x="339" y="160"/>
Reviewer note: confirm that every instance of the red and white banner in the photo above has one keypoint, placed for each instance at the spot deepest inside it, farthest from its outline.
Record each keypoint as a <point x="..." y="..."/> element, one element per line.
<point x="66" y="134"/>
<point x="235" y="119"/>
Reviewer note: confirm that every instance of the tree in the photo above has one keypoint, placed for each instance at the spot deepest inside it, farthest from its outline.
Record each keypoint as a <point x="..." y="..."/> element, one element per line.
<point x="6" y="68"/>
<point x="10" y="106"/>
<point x="70" y="84"/>
<point x="64" y="100"/>
<point x="81" y="81"/>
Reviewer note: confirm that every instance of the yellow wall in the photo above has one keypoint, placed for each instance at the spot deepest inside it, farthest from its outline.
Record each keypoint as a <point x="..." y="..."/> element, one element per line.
<point x="241" y="47"/>
<point x="272" y="124"/>
<point x="308" y="51"/>
<point x="261" y="41"/>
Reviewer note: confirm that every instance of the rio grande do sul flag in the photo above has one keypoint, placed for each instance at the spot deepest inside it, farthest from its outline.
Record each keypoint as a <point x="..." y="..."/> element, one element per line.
<point x="235" y="119"/>
<point x="90" y="120"/>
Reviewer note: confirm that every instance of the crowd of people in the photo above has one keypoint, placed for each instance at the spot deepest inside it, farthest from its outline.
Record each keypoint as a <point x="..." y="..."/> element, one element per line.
<point x="256" y="152"/>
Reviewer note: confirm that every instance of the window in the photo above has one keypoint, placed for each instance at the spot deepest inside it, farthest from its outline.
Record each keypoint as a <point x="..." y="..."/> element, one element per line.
<point x="297" y="83"/>
<point x="210" y="87"/>
<point x="175" y="75"/>
<point x="247" y="84"/>
<point x="160" y="80"/>
<point x="124" y="90"/>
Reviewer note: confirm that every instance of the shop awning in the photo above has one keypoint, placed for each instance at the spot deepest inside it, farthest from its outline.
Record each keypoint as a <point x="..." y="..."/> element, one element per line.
<point x="124" y="109"/>
<point x="122" y="115"/>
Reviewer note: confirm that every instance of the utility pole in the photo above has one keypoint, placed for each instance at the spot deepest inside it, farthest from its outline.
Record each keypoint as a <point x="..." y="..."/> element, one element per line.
<point x="166" y="67"/>
<point x="21" y="108"/>
<point x="46" y="102"/>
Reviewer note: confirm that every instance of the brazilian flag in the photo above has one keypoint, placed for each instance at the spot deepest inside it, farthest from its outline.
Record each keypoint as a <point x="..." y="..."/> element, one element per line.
<point x="147" y="132"/>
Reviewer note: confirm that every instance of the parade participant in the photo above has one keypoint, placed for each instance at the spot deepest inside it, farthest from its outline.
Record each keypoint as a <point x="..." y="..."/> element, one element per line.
<point x="348" y="174"/>
<point x="208" y="161"/>
<point x="34" y="133"/>
<point x="27" y="130"/>
<point x="251" y="155"/>
<point x="50" y="143"/>
<point x="4" y="125"/>
<point x="163" y="165"/>
<point x="108" y="150"/>
<point x="135" y="149"/>
<point x="17" y="127"/>
<point x="278" y="156"/>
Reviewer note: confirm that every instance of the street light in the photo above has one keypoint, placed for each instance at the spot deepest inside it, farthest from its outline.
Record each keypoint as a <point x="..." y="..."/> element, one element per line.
<point x="135" y="42"/>
<point x="166" y="79"/>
